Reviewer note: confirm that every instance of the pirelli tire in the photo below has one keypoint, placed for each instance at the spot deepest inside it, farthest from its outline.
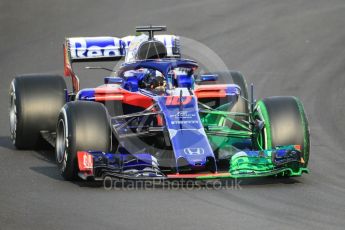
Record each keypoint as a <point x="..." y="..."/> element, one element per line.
<point x="285" y="123"/>
<point x="82" y="126"/>
<point x="238" y="79"/>
<point x="35" y="102"/>
<point x="241" y="106"/>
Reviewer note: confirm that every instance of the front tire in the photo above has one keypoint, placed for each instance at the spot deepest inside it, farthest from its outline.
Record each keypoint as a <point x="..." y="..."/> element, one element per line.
<point x="241" y="104"/>
<point x="285" y="123"/>
<point x="81" y="126"/>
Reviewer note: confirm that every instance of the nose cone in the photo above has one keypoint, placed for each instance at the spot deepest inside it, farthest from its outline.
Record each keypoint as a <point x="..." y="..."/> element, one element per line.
<point x="188" y="138"/>
<point x="200" y="163"/>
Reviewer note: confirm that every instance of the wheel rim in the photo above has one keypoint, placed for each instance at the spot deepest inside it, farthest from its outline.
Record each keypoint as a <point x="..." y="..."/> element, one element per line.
<point x="60" y="141"/>
<point x="13" y="115"/>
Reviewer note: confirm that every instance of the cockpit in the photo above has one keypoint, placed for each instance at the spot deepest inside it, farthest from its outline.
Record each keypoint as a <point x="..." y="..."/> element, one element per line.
<point x="156" y="82"/>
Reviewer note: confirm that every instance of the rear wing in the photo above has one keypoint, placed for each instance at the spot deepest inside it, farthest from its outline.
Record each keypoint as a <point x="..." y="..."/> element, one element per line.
<point x="81" y="49"/>
<point x="90" y="49"/>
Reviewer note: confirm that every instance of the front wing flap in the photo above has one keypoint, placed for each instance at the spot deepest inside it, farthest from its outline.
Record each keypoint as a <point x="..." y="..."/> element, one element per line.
<point x="285" y="160"/>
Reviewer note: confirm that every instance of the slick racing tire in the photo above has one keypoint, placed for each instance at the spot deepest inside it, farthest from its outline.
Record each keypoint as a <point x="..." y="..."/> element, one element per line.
<point x="82" y="126"/>
<point x="238" y="79"/>
<point x="229" y="77"/>
<point x="285" y="123"/>
<point x="241" y="105"/>
<point x="35" y="102"/>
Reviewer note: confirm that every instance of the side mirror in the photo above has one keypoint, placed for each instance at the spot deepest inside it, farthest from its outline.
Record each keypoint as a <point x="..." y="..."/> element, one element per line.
<point x="113" y="80"/>
<point x="207" y="77"/>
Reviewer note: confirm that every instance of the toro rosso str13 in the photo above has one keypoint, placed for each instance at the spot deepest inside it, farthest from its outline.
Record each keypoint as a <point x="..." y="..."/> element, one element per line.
<point x="156" y="117"/>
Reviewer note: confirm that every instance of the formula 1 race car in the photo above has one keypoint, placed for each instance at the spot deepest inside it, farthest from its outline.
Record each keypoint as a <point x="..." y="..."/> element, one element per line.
<point x="155" y="117"/>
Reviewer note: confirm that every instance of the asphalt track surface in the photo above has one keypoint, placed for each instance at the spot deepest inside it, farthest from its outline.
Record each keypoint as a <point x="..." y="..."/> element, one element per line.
<point x="291" y="47"/>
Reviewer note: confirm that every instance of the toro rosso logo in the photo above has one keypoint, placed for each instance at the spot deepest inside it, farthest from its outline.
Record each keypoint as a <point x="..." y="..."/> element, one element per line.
<point x="194" y="151"/>
<point x="175" y="100"/>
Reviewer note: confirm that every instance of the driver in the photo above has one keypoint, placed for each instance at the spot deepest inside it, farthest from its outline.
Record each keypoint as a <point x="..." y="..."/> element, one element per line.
<point x="153" y="82"/>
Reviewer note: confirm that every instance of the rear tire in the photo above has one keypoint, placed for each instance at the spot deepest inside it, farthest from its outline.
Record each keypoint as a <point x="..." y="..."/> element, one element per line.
<point x="229" y="77"/>
<point x="239" y="80"/>
<point x="285" y="124"/>
<point x="82" y="126"/>
<point x="35" y="102"/>
<point x="239" y="106"/>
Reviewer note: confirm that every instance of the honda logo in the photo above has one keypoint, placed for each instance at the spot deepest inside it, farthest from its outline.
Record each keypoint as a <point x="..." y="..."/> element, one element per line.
<point x="194" y="151"/>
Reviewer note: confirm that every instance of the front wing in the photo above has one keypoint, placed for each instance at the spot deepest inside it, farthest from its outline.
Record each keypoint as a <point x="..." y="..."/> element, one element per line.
<point x="285" y="160"/>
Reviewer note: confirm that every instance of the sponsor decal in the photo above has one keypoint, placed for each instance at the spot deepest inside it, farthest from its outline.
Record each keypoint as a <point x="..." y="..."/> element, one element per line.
<point x="95" y="47"/>
<point x="182" y="114"/>
<point x="85" y="161"/>
<point x="100" y="47"/>
<point x="194" y="151"/>
<point x="184" y="122"/>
